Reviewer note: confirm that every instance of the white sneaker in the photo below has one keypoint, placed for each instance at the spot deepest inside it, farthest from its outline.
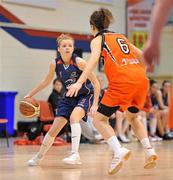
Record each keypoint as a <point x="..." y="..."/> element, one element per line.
<point x="151" y="158"/>
<point x="117" y="160"/>
<point x="35" y="161"/>
<point x="98" y="137"/>
<point x="74" y="158"/>
<point x="123" y="138"/>
<point x="159" y="138"/>
<point x="153" y="138"/>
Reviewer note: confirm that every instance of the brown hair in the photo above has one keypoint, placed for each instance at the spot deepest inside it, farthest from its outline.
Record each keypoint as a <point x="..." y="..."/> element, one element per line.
<point x="63" y="37"/>
<point x="101" y="19"/>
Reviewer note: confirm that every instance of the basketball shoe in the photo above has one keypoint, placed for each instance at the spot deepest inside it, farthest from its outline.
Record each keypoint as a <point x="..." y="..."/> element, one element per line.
<point x="117" y="160"/>
<point x="74" y="158"/>
<point x="151" y="158"/>
<point x="35" y="161"/>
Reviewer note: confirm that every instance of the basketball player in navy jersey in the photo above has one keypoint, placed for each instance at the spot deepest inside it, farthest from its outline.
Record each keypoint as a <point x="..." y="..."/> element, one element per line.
<point x="68" y="68"/>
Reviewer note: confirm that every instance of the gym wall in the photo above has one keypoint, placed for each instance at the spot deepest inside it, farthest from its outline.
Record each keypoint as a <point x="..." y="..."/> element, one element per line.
<point x="25" y="34"/>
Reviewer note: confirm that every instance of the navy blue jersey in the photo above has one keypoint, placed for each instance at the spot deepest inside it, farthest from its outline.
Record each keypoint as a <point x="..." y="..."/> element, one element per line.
<point x="70" y="74"/>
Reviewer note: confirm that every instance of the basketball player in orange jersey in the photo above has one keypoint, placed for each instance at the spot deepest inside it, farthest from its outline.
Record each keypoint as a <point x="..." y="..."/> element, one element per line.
<point x="68" y="67"/>
<point x="151" y="53"/>
<point x="127" y="87"/>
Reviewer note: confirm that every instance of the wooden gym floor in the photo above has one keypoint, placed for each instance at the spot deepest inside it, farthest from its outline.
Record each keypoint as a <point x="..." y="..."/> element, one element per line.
<point x="95" y="160"/>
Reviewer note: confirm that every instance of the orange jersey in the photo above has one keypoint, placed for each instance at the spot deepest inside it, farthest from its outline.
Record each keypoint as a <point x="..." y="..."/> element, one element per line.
<point x="121" y="62"/>
<point x="125" y="71"/>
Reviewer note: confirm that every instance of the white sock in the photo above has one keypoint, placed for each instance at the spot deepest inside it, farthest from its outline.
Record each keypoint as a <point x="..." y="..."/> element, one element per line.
<point x="46" y="144"/>
<point x="146" y="143"/>
<point x="114" y="144"/>
<point x="153" y="126"/>
<point x="75" y="137"/>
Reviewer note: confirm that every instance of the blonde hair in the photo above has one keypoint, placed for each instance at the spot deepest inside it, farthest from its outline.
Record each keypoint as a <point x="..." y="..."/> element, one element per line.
<point x="63" y="37"/>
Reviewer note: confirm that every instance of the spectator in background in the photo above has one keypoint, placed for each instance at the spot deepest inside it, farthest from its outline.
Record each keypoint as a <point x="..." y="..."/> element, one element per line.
<point x="151" y="113"/>
<point x="166" y="88"/>
<point x="56" y="94"/>
<point x="165" y="94"/>
<point x="158" y="106"/>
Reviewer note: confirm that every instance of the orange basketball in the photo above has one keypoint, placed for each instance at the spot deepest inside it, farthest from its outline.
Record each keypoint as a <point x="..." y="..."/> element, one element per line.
<point x="29" y="107"/>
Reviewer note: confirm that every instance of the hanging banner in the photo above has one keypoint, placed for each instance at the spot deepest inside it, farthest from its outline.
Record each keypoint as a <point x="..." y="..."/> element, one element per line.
<point x="139" y="14"/>
<point x="138" y="38"/>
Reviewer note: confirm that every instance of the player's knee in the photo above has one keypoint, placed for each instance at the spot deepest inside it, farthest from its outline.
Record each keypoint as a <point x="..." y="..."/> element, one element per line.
<point x="73" y="119"/>
<point x="131" y="114"/>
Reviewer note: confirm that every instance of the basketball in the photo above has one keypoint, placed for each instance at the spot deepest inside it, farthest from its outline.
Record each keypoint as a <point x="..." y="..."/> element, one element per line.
<point x="29" y="107"/>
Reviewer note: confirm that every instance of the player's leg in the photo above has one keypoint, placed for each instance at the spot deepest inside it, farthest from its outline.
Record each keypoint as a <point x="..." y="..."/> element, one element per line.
<point x="81" y="108"/>
<point x="137" y="103"/>
<point x="141" y="133"/>
<point x="63" y="114"/>
<point x="102" y="125"/>
<point x="77" y="114"/>
<point x="48" y="140"/>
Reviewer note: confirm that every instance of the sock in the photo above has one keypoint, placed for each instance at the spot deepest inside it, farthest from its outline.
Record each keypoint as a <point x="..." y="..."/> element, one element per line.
<point x="114" y="144"/>
<point x="146" y="143"/>
<point x="153" y="126"/>
<point x="46" y="144"/>
<point x="75" y="136"/>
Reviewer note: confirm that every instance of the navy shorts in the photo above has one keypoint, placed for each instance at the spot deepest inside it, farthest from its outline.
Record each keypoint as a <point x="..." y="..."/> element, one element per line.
<point x="67" y="104"/>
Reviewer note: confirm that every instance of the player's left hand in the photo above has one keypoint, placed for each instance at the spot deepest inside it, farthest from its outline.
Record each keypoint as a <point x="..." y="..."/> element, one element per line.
<point x="73" y="89"/>
<point x="93" y="110"/>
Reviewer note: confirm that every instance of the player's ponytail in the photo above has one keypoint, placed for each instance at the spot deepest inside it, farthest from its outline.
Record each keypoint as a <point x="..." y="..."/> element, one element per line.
<point x="101" y="19"/>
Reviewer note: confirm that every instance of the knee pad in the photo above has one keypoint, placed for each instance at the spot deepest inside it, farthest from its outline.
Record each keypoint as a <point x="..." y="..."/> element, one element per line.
<point x="133" y="109"/>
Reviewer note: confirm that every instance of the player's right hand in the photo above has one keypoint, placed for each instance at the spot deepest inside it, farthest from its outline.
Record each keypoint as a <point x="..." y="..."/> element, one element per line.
<point x="73" y="89"/>
<point x="151" y="54"/>
<point x="27" y="96"/>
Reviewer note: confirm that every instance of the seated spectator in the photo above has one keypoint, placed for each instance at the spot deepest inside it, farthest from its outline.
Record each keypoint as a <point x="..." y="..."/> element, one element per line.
<point x="158" y="105"/>
<point x="165" y="94"/>
<point x="152" y="114"/>
<point x="56" y="95"/>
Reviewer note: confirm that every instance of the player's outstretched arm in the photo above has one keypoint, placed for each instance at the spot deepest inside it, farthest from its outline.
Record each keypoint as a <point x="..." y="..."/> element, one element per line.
<point x="160" y="15"/>
<point x="45" y="82"/>
<point x="94" y="58"/>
